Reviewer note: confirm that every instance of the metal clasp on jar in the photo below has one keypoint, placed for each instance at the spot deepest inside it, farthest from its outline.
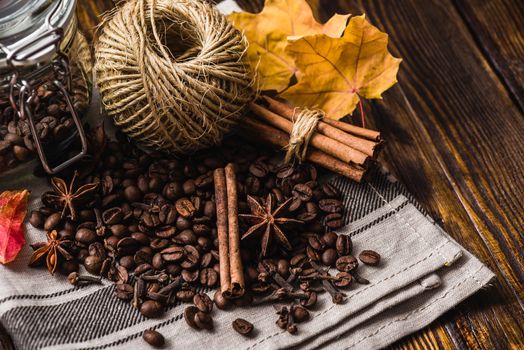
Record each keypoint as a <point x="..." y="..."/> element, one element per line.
<point x="47" y="42"/>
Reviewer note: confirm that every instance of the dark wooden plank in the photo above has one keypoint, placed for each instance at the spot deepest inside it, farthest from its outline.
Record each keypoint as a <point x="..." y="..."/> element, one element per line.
<point x="498" y="27"/>
<point x="455" y="140"/>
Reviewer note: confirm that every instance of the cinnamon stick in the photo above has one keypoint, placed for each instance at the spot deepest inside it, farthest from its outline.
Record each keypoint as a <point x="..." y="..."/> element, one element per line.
<point x="236" y="270"/>
<point x="361" y="144"/>
<point x="355" y="130"/>
<point x="222" y="229"/>
<point x="319" y="141"/>
<point x="258" y="130"/>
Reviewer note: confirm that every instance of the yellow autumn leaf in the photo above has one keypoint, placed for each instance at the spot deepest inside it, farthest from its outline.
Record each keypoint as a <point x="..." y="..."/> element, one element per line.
<point x="267" y="34"/>
<point x="334" y="73"/>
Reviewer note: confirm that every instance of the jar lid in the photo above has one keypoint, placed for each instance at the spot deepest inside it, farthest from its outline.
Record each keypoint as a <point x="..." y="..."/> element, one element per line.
<point x="23" y="22"/>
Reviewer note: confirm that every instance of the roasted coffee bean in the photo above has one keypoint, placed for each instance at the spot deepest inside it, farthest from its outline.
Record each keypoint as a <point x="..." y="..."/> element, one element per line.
<point x="153" y="338"/>
<point x="185" y="207"/>
<point x="165" y="232"/>
<point x="141" y="238"/>
<point x="242" y="326"/>
<point x="204" y="180"/>
<point x="185" y="295"/>
<point x="369" y="257"/>
<point x="119" y="230"/>
<point x="208" y="277"/>
<point x="112" y="216"/>
<point x="220" y="301"/>
<point x="330" y="239"/>
<point x="151" y="309"/>
<point x="189" y="187"/>
<point x="173" y="254"/>
<point x="86" y="236"/>
<point x="329" y="257"/>
<point x="189" y="316"/>
<point x="157" y="262"/>
<point x="52" y="221"/>
<point x="97" y="249"/>
<point x="300" y="314"/>
<point x="173" y="191"/>
<point x="186" y="237"/>
<point x="344" y="279"/>
<point x="330" y="205"/>
<point x="132" y="193"/>
<point x="298" y="260"/>
<point x="303" y="192"/>
<point x="333" y="220"/>
<point x="258" y="169"/>
<point x="192" y="257"/>
<point x="127" y="261"/>
<point x="190" y="276"/>
<point x="37" y="219"/>
<point x="312" y="254"/>
<point x="346" y="263"/>
<point x="93" y="264"/>
<point x="203" y="320"/>
<point x="330" y="190"/>
<point x="315" y="242"/>
<point x="344" y="245"/>
<point x="159" y="243"/>
<point x="203" y="302"/>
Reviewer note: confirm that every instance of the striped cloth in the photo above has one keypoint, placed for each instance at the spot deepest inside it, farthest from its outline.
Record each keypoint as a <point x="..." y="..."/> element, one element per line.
<point x="423" y="274"/>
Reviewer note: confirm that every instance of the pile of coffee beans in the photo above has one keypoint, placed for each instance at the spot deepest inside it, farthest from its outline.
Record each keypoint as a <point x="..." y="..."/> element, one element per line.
<point x="150" y="227"/>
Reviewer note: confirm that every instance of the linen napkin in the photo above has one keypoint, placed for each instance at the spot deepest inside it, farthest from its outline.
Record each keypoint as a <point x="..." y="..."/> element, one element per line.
<point x="44" y="312"/>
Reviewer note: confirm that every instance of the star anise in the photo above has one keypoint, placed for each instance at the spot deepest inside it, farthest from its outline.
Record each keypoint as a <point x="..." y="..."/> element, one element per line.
<point x="265" y="219"/>
<point x="50" y="251"/>
<point x="64" y="196"/>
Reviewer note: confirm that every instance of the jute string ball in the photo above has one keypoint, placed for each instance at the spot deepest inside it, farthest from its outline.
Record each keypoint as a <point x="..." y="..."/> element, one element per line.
<point x="172" y="74"/>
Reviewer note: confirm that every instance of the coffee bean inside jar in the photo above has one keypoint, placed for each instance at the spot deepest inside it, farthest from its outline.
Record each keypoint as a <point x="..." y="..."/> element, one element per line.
<point x="45" y="83"/>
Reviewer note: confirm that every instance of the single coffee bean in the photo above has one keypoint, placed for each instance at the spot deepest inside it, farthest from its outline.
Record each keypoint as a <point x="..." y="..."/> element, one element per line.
<point x="190" y="276"/>
<point x="173" y="254"/>
<point x="93" y="264"/>
<point x="344" y="245"/>
<point x="192" y="257"/>
<point x="86" y="236"/>
<point x="369" y="257"/>
<point x="303" y="192"/>
<point x="37" y="219"/>
<point x="344" y="280"/>
<point x="189" y="315"/>
<point x="329" y="257"/>
<point x="185" y="207"/>
<point x="346" y="263"/>
<point x="132" y="193"/>
<point x="312" y="254"/>
<point x="203" y="302"/>
<point x="258" y="169"/>
<point x="208" y="277"/>
<point x="331" y="205"/>
<point x="330" y="239"/>
<point x="300" y="314"/>
<point x="315" y="242"/>
<point x="283" y="268"/>
<point x="203" y="320"/>
<point x="112" y="216"/>
<point x="153" y="338"/>
<point x="185" y="295"/>
<point x="220" y="301"/>
<point x="242" y="326"/>
<point x="334" y="220"/>
<point x="52" y="221"/>
<point x="151" y="309"/>
<point x="330" y="190"/>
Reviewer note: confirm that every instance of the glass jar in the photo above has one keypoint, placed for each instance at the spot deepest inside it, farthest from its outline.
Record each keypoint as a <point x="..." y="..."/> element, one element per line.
<point x="45" y="83"/>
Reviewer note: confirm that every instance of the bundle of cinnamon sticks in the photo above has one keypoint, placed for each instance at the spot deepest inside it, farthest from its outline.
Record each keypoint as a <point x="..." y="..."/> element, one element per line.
<point x="343" y="148"/>
<point x="231" y="271"/>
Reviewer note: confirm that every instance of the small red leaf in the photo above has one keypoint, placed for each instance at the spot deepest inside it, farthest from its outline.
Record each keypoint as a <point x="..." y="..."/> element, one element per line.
<point x="13" y="208"/>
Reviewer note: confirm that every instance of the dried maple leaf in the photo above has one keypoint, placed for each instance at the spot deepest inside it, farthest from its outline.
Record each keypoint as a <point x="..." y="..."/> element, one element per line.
<point x="334" y="73"/>
<point x="267" y="34"/>
<point x="13" y="208"/>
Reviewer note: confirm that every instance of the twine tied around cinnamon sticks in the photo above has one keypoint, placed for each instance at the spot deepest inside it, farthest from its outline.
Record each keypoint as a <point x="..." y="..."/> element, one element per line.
<point x="340" y="147"/>
<point x="304" y="126"/>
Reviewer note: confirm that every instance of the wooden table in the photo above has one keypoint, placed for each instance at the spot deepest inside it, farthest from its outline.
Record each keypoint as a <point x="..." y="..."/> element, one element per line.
<point x="454" y="125"/>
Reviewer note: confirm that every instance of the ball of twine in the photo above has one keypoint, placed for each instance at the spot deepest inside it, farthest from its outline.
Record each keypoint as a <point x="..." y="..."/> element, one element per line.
<point x="171" y="73"/>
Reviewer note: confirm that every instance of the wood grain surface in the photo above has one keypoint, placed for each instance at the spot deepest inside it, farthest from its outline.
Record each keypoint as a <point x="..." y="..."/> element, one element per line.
<point x="455" y="127"/>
